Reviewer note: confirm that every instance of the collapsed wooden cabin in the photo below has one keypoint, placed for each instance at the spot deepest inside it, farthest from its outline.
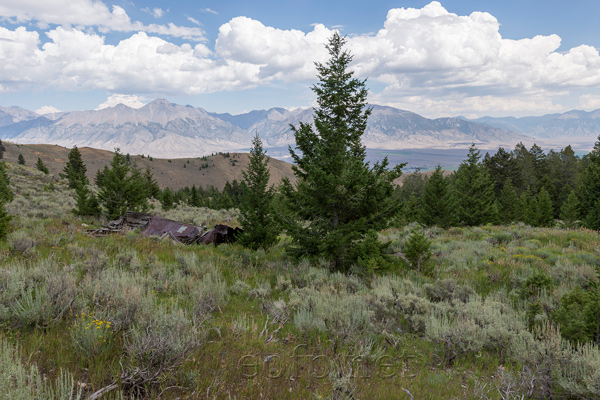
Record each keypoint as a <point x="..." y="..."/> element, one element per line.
<point x="150" y="225"/>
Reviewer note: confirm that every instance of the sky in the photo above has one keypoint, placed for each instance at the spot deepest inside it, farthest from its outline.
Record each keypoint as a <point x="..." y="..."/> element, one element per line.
<point x="437" y="58"/>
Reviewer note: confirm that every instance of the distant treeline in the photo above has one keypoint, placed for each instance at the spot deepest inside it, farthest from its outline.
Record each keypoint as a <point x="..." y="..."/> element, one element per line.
<point x="211" y="197"/>
<point x="523" y="185"/>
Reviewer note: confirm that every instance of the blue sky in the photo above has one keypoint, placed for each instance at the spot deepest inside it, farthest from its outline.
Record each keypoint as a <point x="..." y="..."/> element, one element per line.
<point x="436" y="58"/>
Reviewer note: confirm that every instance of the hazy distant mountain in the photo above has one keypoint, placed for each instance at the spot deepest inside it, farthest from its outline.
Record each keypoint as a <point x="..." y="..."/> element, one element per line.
<point x="164" y="129"/>
<point x="574" y="123"/>
<point x="387" y="127"/>
<point x="392" y="128"/>
<point x="14" y="114"/>
<point x="159" y="128"/>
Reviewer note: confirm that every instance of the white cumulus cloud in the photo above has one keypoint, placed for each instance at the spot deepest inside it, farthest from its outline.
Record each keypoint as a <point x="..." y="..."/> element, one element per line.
<point x="287" y="55"/>
<point x="132" y="101"/>
<point x="75" y="60"/>
<point x="423" y="59"/>
<point x="47" y="110"/>
<point x="89" y="13"/>
<point x="589" y="102"/>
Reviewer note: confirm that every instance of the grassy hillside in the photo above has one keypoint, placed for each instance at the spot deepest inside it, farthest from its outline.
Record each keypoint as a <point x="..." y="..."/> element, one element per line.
<point x="134" y="316"/>
<point x="175" y="173"/>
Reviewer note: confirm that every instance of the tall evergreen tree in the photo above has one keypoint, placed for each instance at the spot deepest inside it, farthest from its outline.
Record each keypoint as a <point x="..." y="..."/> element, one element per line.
<point x="437" y="201"/>
<point x="21" y="159"/>
<point x="338" y="196"/>
<point x="508" y="203"/>
<point x="567" y="172"/>
<point x="410" y="194"/>
<point x="569" y="213"/>
<point x="589" y="190"/>
<point x="547" y="183"/>
<point x="41" y="166"/>
<point x="225" y="201"/>
<point x="256" y="207"/>
<point x="544" y="209"/>
<point x="413" y="185"/>
<point x="2" y="149"/>
<point x="167" y="199"/>
<point x="86" y="203"/>
<point x="474" y="192"/>
<point x="6" y="196"/>
<point x="527" y="208"/>
<point x="194" y="198"/>
<point x="539" y="162"/>
<point x="500" y="166"/>
<point x="75" y="169"/>
<point x="122" y="187"/>
<point x="526" y="177"/>
<point x="152" y="188"/>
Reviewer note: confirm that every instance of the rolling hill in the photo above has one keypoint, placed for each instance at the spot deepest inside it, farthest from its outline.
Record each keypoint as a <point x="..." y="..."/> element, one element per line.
<point x="173" y="173"/>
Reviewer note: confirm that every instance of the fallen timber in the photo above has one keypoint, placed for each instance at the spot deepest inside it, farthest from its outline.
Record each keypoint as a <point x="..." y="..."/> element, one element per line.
<point x="150" y="225"/>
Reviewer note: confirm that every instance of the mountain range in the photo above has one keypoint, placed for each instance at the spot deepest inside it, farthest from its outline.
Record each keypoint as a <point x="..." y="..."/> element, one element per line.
<point x="575" y="123"/>
<point x="164" y="129"/>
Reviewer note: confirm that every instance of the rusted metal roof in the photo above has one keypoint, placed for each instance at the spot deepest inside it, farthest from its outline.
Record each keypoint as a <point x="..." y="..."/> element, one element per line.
<point x="159" y="226"/>
<point x="150" y="225"/>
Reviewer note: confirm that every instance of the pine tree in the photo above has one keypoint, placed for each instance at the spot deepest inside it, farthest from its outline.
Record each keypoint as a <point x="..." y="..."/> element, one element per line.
<point x="86" y="203"/>
<point x="4" y="222"/>
<point x="338" y="196"/>
<point x="256" y="208"/>
<point x="2" y="150"/>
<point x="474" y="192"/>
<point x="122" y="187"/>
<point x="539" y="161"/>
<point x="6" y="195"/>
<point x="500" y="166"/>
<point x="152" y="188"/>
<point x="194" y="199"/>
<point x="417" y="251"/>
<point x="525" y="177"/>
<point x="569" y="212"/>
<point x="167" y="199"/>
<point x="21" y="159"/>
<point x="41" y="166"/>
<point x="566" y="173"/>
<point x="527" y="208"/>
<point x="437" y="201"/>
<point x="75" y="169"/>
<point x="589" y="190"/>
<point x="508" y="203"/>
<point x="225" y="201"/>
<point x="544" y="209"/>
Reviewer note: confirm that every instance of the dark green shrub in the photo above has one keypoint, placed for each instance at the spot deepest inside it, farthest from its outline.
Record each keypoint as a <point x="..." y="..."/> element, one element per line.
<point x="369" y="254"/>
<point x="579" y="315"/>
<point x="417" y="251"/>
<point x="531" y="291"/>
<point x="503" y="237"/>
<point x="535" y="283"/>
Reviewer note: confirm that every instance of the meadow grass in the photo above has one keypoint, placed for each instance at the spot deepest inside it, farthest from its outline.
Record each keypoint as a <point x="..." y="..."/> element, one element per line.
<point x="143" y="318"/>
